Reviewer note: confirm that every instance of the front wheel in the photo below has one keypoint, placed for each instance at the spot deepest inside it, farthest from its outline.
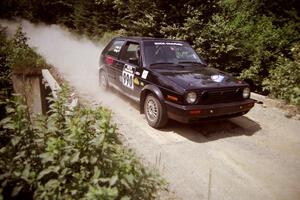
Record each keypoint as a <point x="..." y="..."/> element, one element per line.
<point x="103" y="83"/>
<point x="154" y="112"/>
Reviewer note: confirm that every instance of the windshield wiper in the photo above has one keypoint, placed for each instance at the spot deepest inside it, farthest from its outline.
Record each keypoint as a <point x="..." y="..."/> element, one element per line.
<point x="173" y="64"/>
<point x="192" y="62"/>
<point x="161" y="63"/>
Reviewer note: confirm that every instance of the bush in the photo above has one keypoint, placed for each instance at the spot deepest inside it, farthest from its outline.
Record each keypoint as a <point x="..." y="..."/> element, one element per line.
<point x="72" y="154"/>
<point x="284" y="79"/>
<point x="5" y="71"/>
<point x="21" y="57"/>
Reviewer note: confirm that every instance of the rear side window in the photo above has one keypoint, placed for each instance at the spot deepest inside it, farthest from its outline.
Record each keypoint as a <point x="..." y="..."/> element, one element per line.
<point x="115" y="48"/>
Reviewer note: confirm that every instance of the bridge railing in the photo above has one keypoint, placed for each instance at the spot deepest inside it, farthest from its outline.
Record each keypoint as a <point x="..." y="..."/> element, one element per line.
<point x="49" y="82"/>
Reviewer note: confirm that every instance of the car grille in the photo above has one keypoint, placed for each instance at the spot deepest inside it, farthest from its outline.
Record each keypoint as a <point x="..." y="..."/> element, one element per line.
<point x="220" y="96"/>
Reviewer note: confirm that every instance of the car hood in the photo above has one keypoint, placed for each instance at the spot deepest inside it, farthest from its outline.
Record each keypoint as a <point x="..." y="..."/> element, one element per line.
<point x="198" y="77"/>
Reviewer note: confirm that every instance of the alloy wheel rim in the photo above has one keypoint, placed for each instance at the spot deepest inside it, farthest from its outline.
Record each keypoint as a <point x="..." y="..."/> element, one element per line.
<point x="152" y="110"/>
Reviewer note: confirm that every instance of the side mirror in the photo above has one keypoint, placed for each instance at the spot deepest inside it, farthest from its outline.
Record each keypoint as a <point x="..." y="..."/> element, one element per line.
<point x="134" y="61"/>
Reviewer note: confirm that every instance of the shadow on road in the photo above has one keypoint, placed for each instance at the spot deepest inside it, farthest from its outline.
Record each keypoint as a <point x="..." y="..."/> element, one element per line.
<point x="201" y="132"/>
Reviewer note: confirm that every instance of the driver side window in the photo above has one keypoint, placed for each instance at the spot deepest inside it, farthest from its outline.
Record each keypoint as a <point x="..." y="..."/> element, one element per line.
<point x="131" y="53"/>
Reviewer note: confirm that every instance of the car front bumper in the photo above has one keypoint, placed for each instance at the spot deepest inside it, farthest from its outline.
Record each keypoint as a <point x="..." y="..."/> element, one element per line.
<point x="190" y="113"/>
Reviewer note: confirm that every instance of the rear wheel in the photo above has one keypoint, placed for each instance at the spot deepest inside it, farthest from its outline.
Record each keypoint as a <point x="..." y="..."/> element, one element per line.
<point x="103" y="83"/>
<point x="154" y="112"/>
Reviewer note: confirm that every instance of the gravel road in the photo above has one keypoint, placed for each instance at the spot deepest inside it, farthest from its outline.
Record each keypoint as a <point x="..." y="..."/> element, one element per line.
<point x="256" y="156"/>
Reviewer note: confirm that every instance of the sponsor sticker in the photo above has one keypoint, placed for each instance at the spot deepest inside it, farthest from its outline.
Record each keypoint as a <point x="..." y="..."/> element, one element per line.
<point x="168" y="43"/>
<point x="145" y="74"/>
<point x="136" y="81"/>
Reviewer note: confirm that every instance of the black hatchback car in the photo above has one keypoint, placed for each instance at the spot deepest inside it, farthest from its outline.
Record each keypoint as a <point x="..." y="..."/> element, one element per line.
<point x="169" y="80"/>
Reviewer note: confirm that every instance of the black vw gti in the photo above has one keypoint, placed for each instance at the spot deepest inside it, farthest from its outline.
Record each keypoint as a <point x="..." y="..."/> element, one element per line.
<point x="169" y="80"/>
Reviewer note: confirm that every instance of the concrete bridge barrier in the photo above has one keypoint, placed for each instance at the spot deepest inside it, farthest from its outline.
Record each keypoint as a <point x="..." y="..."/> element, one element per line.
<point x="36" y="86"/>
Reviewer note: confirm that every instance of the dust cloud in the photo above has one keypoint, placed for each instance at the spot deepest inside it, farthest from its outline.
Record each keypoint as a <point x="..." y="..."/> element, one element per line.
<point x="61" y="48"/>
<point x="75" y="57"/>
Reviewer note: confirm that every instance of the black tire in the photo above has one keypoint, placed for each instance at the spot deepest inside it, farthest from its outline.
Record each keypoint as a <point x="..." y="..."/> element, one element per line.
<point x="154" y="112"/>
<point x="103" y="83"/>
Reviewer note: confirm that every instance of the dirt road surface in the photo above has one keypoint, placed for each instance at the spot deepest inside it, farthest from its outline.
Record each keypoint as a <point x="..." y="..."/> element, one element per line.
<point x="256" y="156"/>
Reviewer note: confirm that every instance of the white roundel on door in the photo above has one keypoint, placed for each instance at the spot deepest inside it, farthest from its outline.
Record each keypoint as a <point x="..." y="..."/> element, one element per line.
<point x="217" y="78"/>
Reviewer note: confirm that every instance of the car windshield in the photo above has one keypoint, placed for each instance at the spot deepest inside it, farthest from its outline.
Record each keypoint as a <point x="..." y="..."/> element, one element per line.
<point x="169" y="53"/>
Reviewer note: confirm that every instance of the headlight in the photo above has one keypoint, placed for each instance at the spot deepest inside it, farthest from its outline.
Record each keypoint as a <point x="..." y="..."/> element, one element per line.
<point x="191" y="97"/>
<point x="246" y="93"/>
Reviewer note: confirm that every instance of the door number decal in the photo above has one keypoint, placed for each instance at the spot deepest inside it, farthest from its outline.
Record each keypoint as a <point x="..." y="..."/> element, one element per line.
<point x="128" y="76"/>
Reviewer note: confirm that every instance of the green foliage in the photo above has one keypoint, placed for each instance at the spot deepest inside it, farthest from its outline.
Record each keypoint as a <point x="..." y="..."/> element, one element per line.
<point x="21" y="56"/>
<point x="240" y="39"/>
<point x="19" y="153"/>
<point x="94" y="18"/>
<point x="5" y="71"/>
<point x="141" y="17"/>
<point x="284" y="79"/>
<point x="71" y="154"/>
<point x="53" y="11"/>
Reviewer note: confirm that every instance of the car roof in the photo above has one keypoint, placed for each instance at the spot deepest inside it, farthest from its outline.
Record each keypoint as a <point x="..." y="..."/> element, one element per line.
<point x="137" y="38"/>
